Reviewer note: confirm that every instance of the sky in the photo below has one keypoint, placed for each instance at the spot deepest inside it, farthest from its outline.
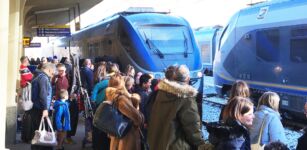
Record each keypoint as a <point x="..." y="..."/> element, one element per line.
<point x="197" y="12"/>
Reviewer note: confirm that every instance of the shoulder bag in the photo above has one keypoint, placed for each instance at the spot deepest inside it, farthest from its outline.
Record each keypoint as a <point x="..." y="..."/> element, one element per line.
<point x="109" y="119"/>
<point x="257" y="145"/>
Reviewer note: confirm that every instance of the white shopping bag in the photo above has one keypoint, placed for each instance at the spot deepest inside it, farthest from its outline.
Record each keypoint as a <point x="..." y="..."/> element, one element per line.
<point x="44" y="137"/>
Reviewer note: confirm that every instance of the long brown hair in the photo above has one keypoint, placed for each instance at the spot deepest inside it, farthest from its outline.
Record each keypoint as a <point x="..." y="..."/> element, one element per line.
<point x="237" y="107"/>
<point x="239" y="88"/>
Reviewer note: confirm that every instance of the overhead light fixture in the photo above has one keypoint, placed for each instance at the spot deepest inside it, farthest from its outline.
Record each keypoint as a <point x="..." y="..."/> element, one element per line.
<point x="51" y="11"/>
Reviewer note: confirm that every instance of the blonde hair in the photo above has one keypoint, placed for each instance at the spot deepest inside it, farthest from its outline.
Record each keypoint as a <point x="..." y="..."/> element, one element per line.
<point x="128" y="81"/>
<point x="237" y="106"/>
<point x="239" y="88"/>
<point x="130" y="71"/>
<point x="63" y="94"/>
<point x="101" y="72"/>
<point x="269" y="99"/>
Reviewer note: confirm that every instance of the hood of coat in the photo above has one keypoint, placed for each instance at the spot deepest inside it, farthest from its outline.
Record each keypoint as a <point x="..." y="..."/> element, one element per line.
<point x="113" y="93"/>
<point x="268" y="110"/>
<point x="176" y="88"/>
<point x="57" y="103"/>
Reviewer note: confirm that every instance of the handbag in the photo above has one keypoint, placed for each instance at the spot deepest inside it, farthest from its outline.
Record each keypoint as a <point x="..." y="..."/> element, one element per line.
<point x="111" y="121"/>
<point x="42" y="136"/>
<point x="25" y="100"/>
<point x="257" y="145"/>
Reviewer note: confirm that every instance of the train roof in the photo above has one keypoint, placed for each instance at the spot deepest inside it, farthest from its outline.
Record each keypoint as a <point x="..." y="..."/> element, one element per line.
<point x="139" y="18"/>
<point x="283" y="12"/>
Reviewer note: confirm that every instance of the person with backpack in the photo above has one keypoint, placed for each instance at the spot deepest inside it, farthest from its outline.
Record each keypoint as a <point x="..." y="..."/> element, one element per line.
<point x="61" y="117"/>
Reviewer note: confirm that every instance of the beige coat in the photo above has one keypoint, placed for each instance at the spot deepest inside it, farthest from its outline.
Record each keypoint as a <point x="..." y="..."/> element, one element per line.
<point x="127" y="104"/>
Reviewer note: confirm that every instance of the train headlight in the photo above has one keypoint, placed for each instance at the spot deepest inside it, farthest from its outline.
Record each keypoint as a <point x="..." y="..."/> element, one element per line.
<point x="277" y="69"/>
<point x="199" y="74"/>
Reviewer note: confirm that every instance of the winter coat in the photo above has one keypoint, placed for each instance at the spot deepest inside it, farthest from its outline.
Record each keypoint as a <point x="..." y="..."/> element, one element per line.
<point x="41" y="91"/>
<point x="174" y="120"/>
<point x="231" y="135"/>
<point x="25" y="75"/>
<point x="98" y="93"/>
<point x="144" y="94"/>
<point x="128" y="107"/>
<point x="87" y="79"/>
<point x="61" y="116"/>
<point x="272" y="130"/>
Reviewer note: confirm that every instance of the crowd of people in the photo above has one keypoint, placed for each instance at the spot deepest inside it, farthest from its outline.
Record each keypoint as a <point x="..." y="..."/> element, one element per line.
<point x="164" y="112"/>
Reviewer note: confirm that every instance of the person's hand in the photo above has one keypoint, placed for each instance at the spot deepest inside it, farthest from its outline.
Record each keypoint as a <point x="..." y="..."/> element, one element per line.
<point x="45" y="113"/>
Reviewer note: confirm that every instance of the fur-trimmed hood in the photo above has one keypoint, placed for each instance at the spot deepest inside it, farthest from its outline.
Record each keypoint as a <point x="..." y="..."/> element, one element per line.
<point x="173" y="87"/>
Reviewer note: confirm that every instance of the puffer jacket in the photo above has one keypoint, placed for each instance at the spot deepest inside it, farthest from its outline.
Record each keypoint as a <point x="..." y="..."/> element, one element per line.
<point x="127" y="104"/>
<point x="174" y="121"/>
<point x="272" y="130"/>
<point x="231" y="135"/>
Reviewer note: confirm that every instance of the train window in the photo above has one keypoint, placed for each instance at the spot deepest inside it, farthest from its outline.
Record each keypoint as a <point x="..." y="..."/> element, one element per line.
<point x="167" y="39"/>
<point x="223" y="36"/>
<point x="298" y="50"/>
<point x="267" y="45"/>
<point x="125" y="41"/>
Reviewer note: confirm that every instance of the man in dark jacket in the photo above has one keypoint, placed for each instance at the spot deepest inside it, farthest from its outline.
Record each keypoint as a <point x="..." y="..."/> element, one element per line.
<point x="41" y="97"/>
<point x="174" y="121"/>
<point x="87" y="76"/>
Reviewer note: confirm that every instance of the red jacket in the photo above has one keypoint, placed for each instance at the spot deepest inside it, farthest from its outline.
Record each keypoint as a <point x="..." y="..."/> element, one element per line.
<point x="25" y="75"/>
<point x="60" y="83"/>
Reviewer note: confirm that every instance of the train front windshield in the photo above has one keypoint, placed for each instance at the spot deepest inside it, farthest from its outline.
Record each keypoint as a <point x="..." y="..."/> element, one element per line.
<point x="166" y="39"/>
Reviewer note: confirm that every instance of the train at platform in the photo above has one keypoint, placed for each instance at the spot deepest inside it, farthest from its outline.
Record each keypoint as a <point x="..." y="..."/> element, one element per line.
<point x="148" y="40"/>
<point x="266" y="46"/>
<point x="207" y="38"/>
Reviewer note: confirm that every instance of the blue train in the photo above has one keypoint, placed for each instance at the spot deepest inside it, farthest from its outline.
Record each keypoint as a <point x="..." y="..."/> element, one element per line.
<point x="207" y="38"/>
<point x="266" y="46"/>
<point x="150" y="41"/>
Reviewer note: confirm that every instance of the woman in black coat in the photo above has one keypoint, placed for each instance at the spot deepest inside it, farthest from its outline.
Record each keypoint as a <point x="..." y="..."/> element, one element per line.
<point x="232" y="132"/>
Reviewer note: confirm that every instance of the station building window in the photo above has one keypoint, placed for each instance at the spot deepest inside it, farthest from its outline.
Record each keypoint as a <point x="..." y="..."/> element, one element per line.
<point x="267" y="45"/>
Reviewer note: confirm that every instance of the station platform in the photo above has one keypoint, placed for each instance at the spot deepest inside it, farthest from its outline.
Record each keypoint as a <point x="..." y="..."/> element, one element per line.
<point x="76" y="146"/>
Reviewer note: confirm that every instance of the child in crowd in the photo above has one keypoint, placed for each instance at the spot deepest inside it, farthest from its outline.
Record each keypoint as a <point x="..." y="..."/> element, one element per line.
<point x="61" y="118"/>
